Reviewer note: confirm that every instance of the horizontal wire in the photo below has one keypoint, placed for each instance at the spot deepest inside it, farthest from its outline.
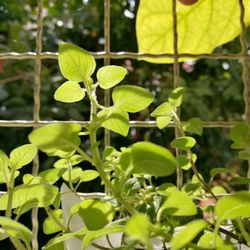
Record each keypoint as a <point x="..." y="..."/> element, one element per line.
<point x="132" y="124"/>
<point x="123" y="54"/>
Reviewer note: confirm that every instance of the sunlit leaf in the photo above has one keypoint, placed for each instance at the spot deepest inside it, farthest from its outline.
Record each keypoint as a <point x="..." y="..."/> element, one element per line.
<point x="185" y="236"/>
<point x="176" y="97"/>
<point x="115" y="119"/>
<point x="69" y="92"/>
<point x="193" y="126"/>
<point x="233" y="206"/>
<point x="49" y="226"/>
<point x="44" y="194"/>
<point x="22" y="155"/>
<point x="4" y="161"/>
<point x="137" y="227"/>
<point x="109" y="76"/>
<point x="131" y="98"/>
<point x="185" y="142"/>
<point x="201" y="27"/>
<point x="179" y="204"/>
<point x="165" y="109"/>
<point x="57" y="139"/>
<point x="207" y="240"/>
<point x="96" y="214"/>
<point x="75" y="174"/>
<point x="166" y="189"/>
<point x="72" y="161"/>
<point x="75" y="63"/>
<point x="240" y="136"/>
<point x="88" y="175"/>
<point x="16" y="230"/>
<point x="52" y="175"/>
<point x="152" y="159"/>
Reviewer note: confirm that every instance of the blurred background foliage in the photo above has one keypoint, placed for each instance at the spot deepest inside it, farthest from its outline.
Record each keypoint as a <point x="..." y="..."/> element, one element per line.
<point x="213" y="87"/>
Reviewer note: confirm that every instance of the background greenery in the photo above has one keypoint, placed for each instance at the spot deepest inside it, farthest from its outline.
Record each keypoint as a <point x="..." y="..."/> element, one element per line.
<point x="214" y="87"/>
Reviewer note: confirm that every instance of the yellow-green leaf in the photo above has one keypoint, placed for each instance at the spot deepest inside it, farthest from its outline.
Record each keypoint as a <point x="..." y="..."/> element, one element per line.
<point x="201" y="27"/>
<point x="69" y="92"/>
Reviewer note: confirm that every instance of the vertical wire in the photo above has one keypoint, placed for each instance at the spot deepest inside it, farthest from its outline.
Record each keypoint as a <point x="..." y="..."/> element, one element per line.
<point x="107" y="61"/>
<point x="176" y="77"/>
<point x="245" y="65"/>
<point x="36" y="111"/>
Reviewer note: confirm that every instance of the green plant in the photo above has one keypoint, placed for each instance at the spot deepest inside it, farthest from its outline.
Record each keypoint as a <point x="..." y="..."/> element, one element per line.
<point x="133" y="205"/>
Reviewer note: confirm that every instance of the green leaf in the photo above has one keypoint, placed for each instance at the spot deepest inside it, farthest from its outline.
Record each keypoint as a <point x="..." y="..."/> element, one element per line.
<point x="165" y="109"/>
<point x="234" y="206"/>
<point x="43" y="193"/>
<point x="154" y="26"/>
<point x="75" y="174"/>
<point x="163" y="121"/>
<point x="96" y="214"/>
<point x="219" y="190"/>
<point x="149" y="158"/>
<point x="26" y="207"/>
<point x="73" y="160"/>
<point x="99" y="233"/>
<point x="75" y="63"/>
<point x="22" y="155"/>
<point x="4" y="161"/>
<point x="115" y="119"/>
<point x="69" y="92"/>
<point x="240" y="136"/>
<point x="216" y="171"/>
<point x="52" y="175"/>
<point x="88" y="175"/>
<point x="207" y="241"/>
<point x="131" y="98"/>
<point x="179" y="204"/>
<point x="109" y="76"/>
<point x="176" y="97"/>
<point x="166" y="189"/>
<point x="137" y="228"/>
<point x="244" y="154"/>
<point x="49" y="226"/>
<point x="16" y="230"/>
<point x="194" y="126"/>
<point x="57" y="139"/>
<point x="185" y="236"/>
<point x="184" y="143"/>
<point x="239" y="181"/>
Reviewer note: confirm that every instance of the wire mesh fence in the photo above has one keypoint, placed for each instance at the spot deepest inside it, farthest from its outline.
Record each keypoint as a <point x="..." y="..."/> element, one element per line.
<point x="39" y="55"/>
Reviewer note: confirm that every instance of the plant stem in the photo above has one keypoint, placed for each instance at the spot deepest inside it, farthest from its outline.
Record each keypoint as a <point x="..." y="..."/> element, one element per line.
<point x="243" y="231"/>
<point x="18" y="245"/>
<point x="10" y="188"/>
<point x="55" y="219"/>
<point x="189" y="154"/>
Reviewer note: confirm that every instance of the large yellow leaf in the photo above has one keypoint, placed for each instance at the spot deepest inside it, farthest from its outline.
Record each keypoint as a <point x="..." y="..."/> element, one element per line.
<point x="201" y="27"/>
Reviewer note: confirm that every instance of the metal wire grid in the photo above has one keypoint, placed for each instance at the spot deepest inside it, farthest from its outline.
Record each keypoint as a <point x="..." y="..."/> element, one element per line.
<point x="38" y="56"/>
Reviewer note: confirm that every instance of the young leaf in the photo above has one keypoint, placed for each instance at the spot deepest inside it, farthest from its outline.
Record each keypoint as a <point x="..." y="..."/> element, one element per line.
<point x="244" y="154"/>
<point x="75" y="63"/>
<point x="96" y="214"/>
<point x="69" y="92"/>
<point x="131" y="98"/>
<point x="57" y="139"/>
<point x="184" y="162"/>
<point x="165" y="109"/>
<point x="193" y="126"/>
<point x="137" y="228"/>
<point x="176" y="97"/>
<point x="73" y="160"/>
<point x="75" y="174"/>
<point x="109" y="76"/>
<point x="88" y="175"/>
<point x="163" y="121"/>
<point x="52" y="175"/>
<point x="184" y="143"/>
<point x="166" y="189"/>
<point x="43" y="193"/>
<point x="179" y="204"/>
<point x="115" y="119"/>
<point x="207" y="241"/>
<point x="22" y="155"/>
<point x="233" y="206"/>
<point x="149" y="158"/>
<point x="16" y="230"/>
<point x="185" y="236"/>
<point x="91" y="235"/>
<point x="49" y="226"/>
<point x="240" y="136"/>
<point x="4" y="161"/>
